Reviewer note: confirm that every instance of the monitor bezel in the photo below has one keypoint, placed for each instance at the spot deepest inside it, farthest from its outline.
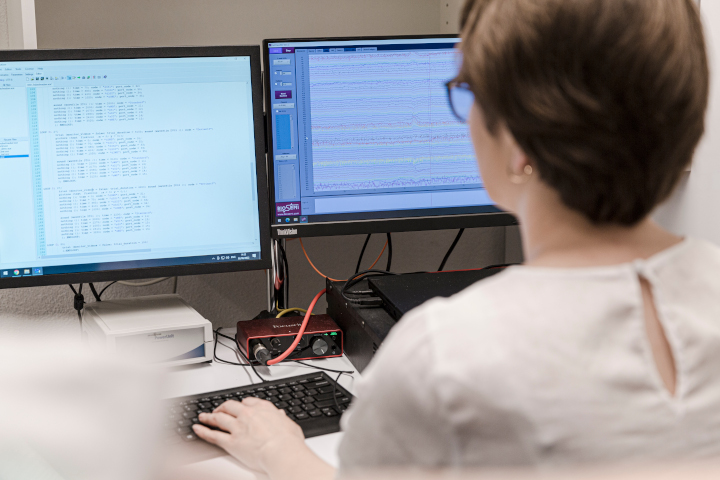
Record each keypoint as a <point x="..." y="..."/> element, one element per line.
<point x="252" y="51"/>
<point x="496" y="218"/>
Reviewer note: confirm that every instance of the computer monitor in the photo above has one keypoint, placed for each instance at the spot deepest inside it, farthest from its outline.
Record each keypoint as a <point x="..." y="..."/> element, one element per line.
<point x="363" y="140"/>
<point x="134" y="163"/>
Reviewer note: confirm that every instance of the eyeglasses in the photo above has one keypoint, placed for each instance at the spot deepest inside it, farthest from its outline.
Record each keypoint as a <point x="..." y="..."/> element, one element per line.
<point x="461" y="99"/>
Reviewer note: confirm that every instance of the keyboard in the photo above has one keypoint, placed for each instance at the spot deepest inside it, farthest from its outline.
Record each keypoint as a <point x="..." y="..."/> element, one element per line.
<point x="306" y="399"/>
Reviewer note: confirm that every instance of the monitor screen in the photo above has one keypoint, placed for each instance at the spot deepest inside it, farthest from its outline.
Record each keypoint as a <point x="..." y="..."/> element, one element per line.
<point x="363" y="134"/>
<point x="130" y="164"/>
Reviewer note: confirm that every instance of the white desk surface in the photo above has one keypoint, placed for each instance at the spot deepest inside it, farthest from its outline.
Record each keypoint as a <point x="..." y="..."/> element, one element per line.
<point x="195" y="379"/>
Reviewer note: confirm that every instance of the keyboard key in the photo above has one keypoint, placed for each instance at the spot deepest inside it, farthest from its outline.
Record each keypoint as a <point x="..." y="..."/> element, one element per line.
<point x="189" y="437"/>
<point x="189" y="415"/>
<point x="308" y="400"/>
<point x="298" y="388"/>
<point x="272" y="399"/>
<point x="281" y="404"/>
<point x="295" y="402"/>
<point x="298" y="394"/>
<point x="183" y="430"/>
<point x="307" y="407"/>
<point x="322" y="383"/>
<point x="285" y="390"/>
<point x="331" y="413"/>
<point x="325" y="390"/>
<point x="285" y="398"/>
<point x="312" y="391"/>
<point x="185" y="423"/>
<point x="272" y="392"/>
<point x="302" y="416"/>
<point x="326" y="396"/>
<point x="204" y="405"/>
<point x="325" y="403"/>
<point x="315" y="413"/>
<point x="295" y="409"/>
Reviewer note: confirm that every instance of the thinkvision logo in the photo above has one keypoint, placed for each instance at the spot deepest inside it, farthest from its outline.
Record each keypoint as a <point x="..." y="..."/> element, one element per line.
<point x="287" y="231"/>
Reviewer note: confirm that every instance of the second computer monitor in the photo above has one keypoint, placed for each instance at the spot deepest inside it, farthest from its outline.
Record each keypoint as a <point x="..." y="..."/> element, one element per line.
<point x="362" y="138"/>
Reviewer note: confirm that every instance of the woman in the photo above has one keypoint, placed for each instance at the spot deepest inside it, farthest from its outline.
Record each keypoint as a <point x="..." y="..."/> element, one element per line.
<point x="605" y="345"/>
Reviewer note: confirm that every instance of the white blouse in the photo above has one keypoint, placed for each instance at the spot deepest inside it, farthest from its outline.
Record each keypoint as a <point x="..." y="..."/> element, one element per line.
<point x="547" y="367"/>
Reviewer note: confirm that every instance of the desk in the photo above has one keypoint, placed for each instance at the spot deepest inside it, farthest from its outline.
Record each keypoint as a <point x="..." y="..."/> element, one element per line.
<point x="195" y="379"/>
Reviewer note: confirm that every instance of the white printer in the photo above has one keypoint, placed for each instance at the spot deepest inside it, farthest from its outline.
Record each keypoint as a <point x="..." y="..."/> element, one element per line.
<point x="159" y="329"/>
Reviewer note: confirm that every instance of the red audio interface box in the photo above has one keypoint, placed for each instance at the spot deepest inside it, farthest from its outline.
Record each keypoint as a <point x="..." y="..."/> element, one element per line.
<point x="264" y="339"/>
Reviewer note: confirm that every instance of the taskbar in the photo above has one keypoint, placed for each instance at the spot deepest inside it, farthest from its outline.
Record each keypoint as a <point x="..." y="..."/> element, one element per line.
<point x="287" y="220"/>
<point x="104" y="266"/>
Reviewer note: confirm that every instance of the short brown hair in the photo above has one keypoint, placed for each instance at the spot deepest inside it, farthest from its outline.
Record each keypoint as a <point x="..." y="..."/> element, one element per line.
<point x="607" y="97"/>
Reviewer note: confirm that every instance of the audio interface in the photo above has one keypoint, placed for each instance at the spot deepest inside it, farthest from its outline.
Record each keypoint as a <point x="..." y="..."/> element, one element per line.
<point x="262" y="340"/>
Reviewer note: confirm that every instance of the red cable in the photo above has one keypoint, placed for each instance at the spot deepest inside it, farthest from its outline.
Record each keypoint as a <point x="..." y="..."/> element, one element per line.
<point x="291" y="348"/>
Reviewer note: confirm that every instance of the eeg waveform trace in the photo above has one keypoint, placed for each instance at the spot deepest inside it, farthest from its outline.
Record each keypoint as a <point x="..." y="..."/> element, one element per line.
<point x="382" y="121"/>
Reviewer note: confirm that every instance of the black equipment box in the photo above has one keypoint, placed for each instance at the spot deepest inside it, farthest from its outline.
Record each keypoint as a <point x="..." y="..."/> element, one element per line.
<point x="365" y="328"/>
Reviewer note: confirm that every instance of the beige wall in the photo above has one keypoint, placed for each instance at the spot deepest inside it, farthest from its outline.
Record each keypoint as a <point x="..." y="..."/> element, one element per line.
<point x="122" y="23"/>
<point x="226" y="298"/>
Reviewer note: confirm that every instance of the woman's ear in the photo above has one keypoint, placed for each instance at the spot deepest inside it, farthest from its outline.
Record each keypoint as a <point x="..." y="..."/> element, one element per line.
<point x="518" y="160"/>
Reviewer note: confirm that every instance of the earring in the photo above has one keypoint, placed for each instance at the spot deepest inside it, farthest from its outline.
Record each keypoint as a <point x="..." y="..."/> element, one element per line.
<point x="520" y="179"/>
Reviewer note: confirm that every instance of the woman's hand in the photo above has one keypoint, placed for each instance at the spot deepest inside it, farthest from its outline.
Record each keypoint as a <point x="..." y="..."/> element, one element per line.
<point x="262" y="437"/>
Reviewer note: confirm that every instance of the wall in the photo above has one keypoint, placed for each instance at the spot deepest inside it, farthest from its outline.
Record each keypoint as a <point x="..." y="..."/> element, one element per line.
<point x="226" y="298"/>
<point x="17" y="24"/>
<point x="692" y="210"/>
<point x="112" y="23"/>
<point x="450" y="15"/>
<point x="4" y="33"/>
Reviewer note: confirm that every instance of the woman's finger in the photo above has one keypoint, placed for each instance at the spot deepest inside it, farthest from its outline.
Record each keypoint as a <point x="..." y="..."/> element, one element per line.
<point x="216" y="437"/>
<point x="220" y="420"/>
<point x="231" y="407"/>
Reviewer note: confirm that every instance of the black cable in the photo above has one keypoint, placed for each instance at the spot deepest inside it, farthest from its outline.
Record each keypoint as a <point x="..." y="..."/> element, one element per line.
<point x="220" y="360"/>
<point x="349" y="372"/>
<point x="78" y="303"/>
<point x="357" y="278"/>
<point x="389" y="262"/>
<point x="106" y="287"/>
<point x="337" y="380"/>
<point x="286" y="275"/>
<point x="249" y="363"/>
<point x="450" y="250"/>
<point x="94" y="292"/>
<point x="362" y="252"/>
